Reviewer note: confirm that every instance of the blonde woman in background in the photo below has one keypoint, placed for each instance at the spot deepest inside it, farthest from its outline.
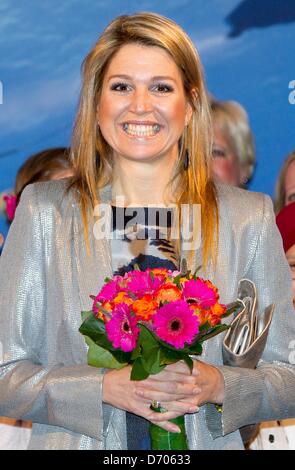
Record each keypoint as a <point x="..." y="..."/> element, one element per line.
<point x="285" y="187"/>
<point x="233" y="148"/>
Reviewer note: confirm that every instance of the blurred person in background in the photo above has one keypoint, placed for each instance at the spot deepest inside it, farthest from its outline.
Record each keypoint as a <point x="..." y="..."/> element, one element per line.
<point x="286" y="223"/>
<point x="49" y="164"/>
<point x="285" y="187"/>
<point x="233" y="147"/>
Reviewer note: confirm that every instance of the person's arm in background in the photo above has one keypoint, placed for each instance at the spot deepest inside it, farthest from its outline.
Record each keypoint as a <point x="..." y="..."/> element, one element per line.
<point x="268" y="392"/>
<point x="65" y="396"/>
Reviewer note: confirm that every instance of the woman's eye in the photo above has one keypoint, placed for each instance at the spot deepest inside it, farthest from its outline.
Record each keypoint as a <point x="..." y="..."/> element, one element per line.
<point x="219" y="152"/>
<point x="291" y="197"/>
<point x="162" y="88"/>
<point x="120" y="87"/>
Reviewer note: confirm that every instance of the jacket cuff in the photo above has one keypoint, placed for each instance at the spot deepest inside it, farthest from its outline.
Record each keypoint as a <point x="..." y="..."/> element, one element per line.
<point x="242" y="386"/>
<point x="74" y="400"/>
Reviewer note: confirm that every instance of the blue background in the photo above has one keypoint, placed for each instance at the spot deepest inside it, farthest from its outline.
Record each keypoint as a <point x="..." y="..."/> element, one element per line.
<point x="247" y="48"/>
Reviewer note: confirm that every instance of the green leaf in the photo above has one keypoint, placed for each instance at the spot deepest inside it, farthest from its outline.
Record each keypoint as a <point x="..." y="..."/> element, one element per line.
<point x="168" y="356"/>
<point x="150" y="351"/>
<point x="188" y="361"/>
<point x="205" y="327"/>
<point x="99" y="357"/>
<point x="94" y="328"/>
<point x="136" y="353"/>
<point x="138" y="371"/>
<point x="196" y="349"/>
<point x="176" y="280"/>
<point x="214" y="332"/>
<point x="151" y="361"/>
<point x="84" y="314"/>
<point x="121" y="356"/>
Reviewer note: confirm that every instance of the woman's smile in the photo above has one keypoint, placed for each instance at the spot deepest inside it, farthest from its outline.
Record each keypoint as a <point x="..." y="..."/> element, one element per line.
<point x="142" y="131"/>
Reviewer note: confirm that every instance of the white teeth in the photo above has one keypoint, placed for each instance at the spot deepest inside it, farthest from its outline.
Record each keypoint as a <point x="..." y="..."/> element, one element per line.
<point x="141" y="130"/>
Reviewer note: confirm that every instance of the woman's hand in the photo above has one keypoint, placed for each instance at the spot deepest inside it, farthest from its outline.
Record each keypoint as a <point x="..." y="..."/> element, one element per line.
<point x="174" y="387"/>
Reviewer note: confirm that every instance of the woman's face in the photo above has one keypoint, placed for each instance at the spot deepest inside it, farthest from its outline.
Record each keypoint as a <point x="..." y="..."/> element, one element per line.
<point x="291" y="260"/>
<point x="290" y="184"/>
<point x="225" y="165"/>
<point x="143" y="109"/>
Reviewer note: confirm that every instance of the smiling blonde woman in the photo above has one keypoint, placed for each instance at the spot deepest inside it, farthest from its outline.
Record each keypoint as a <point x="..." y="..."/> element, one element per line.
<point x="142" y="134"/>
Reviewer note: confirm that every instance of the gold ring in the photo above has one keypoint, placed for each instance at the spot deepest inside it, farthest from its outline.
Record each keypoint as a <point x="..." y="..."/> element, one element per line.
<point x="156" y="404"/>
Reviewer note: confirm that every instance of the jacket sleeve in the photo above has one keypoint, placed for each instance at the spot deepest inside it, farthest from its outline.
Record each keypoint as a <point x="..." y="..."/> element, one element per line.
<point x="64" y="396"/>
<point x="268" y="392"/>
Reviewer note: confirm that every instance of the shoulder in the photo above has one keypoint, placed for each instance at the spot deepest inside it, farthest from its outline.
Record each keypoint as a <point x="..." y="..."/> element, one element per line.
<point x="238" y="204"/>
<point x="49" y="196"/>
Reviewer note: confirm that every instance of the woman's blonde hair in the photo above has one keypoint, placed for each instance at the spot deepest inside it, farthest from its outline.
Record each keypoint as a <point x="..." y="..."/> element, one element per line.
<point x="280" y="193"/>
<point x="232" y="120"/>
<point x="91" y="154"/>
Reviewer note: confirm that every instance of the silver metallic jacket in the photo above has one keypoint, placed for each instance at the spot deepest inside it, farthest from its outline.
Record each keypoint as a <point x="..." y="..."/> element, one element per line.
<point x="46" y="278"/>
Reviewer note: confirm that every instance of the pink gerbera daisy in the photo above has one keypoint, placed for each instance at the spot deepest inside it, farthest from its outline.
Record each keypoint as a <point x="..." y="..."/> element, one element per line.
<point x="109" y="290"/>
<point x="142" y="282"/>
<point x="122" y="329"/>
<point x="176" y="324"/>
<point x="199" y="291"/>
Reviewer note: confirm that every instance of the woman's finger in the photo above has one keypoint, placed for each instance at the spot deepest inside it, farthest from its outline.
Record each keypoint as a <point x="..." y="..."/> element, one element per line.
<point x="179" y="367"/>
<point x="170" y="427"/>
<point x="174" y="394"/>
<point x="168" y="377"/>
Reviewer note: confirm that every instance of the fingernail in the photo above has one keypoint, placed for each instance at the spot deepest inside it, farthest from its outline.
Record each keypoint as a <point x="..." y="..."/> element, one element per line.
<point x="194" y="409"/>
<point x="196" y="391"/>
<point x="175" y="429"/>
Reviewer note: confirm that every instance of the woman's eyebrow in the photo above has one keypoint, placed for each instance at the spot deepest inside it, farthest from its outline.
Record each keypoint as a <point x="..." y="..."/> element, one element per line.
<point x="128" y="77"/>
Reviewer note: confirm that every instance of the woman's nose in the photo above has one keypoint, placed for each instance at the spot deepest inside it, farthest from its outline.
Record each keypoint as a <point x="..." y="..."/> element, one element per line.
<point x="141" y="101"/>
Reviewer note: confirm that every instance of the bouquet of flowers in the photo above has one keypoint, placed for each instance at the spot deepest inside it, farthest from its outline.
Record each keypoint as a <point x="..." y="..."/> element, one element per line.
<point x="150" y="319"/>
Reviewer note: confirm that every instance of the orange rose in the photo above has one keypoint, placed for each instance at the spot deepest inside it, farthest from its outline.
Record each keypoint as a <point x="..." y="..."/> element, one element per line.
<point x="122" y="297"/>
<point x="168" y="293"/>
<point x="218" y="309"/>
<point x="106" y="306"/>
<point x="145" y="307"/>
<point x="204" y="315"/>
<point x="160" y="271"/>
<point x="216" y="313"/>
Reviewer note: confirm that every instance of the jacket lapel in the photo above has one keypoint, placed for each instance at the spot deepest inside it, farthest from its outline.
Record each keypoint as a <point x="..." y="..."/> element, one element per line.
<point x="94" y="267"/>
